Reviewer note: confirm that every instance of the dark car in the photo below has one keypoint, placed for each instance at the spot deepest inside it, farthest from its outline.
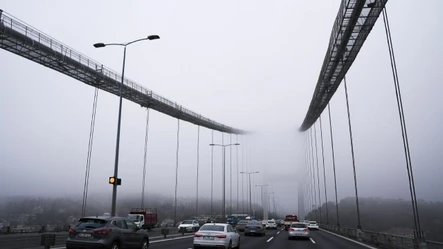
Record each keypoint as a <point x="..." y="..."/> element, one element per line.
<point x="254" y="227"/>
<point x="106" y="232"/>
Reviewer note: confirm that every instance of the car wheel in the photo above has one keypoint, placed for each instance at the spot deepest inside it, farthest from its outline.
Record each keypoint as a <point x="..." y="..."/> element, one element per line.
<point x="115" y="245"/>
<point x="230" y="245"/>
<point x="246" y="234"/>
<point x="289" y="238"/>
<point x="238" y="243"/>
<point x="145" y="244"/>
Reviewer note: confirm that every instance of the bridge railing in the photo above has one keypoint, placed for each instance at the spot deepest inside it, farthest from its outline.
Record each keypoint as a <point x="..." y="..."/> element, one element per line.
<point x="380" y="240"/>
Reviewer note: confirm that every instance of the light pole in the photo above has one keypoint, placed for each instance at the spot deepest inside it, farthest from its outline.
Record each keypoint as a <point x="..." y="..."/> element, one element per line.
<point x="250" y="192"/>
<point x="263" y="202"/>
<point x="224" y="177"/>
<point x="117" y="145"/>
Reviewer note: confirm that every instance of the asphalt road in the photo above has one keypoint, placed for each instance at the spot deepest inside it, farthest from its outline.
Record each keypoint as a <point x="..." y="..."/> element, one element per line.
<point x="274" y="239"/>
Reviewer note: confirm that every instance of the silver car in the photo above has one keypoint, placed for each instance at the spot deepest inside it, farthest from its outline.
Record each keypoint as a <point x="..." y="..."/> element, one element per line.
<point x="298" y="230"/>
<point x="217" y="235"/>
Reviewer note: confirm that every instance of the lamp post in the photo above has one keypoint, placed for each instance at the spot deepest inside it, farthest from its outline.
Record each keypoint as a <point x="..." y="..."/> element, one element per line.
<point x="250" y="192"/>
<point x="224" y="177"/>
<point x="263" y="202"/>
<point x="117" y="145"/>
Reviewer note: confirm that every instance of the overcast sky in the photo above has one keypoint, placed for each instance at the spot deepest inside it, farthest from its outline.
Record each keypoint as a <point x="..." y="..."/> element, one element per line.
<point x="249" y="64"/>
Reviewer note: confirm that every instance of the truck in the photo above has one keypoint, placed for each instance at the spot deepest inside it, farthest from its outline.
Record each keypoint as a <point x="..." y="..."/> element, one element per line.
<point x="144" y="218"/>
<point x="289" y="219"/>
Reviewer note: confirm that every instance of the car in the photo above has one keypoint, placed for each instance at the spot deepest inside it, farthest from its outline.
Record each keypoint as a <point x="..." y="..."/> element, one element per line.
<point x="106" y="232"/>
<point x="254" y="227"/>
<point x="216" y="235"/>
<point x="298" y="230"/>
<point x="241" y="225"/>
<point x="189" y="226"/>
<point x="271" y="224"/>
<point x="313" y="225"/>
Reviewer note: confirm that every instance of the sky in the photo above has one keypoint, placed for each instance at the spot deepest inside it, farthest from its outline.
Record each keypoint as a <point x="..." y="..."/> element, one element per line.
<point x="248" y="64"/>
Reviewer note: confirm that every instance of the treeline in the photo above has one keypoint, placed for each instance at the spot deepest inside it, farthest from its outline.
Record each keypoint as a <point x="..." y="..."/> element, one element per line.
<point x="377" y="214"/>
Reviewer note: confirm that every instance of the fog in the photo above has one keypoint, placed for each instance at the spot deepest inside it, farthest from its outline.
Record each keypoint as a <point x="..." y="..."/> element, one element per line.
<point x="248" y="64"/>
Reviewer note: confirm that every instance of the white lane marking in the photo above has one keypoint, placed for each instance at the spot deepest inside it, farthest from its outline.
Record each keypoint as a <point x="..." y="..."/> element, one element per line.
<point x="312" y="240"/>
<point x="343" y="237"/>
<point x="163" y="240"/>
<point x="269" y="239"/>
<point x="278" y="232"/>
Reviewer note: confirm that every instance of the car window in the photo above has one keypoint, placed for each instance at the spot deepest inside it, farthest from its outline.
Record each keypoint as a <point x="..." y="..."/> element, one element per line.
<point x="187" y="222"/>
<point x="119" y="224"/>
<point x="91" y="223"/>
<point x="130" y="224"/>
<point x="312" y="222"/>
<point x="212" y="228"/>
<point x="298" y="225"/>
<point x="230" y="229"/>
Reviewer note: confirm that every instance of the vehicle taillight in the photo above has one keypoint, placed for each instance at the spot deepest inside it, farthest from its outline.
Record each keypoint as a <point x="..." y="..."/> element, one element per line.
<point x="104" y="231"/>
<point x="221" y="236"/>
<point x="197" y="235"/>
<point x="72" y="230"/>
<point x="305" y="229"/>
<point x="291" y="229"/>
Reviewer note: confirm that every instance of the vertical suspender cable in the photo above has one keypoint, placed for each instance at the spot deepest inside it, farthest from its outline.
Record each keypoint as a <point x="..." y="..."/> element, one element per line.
<point x="242" y="175"/>
<point x="352" y="154"/>
<point x="333" y="165"/>
<point x="198" y="162"/>
<point x="176" y="171"/>
<point x="212" y="174"/>
<point x="324" y="171"/>
<point x="230" y="174"/>
<point x="145" y="156"/>
<point x="318" y="174"/>
<point x="418" y="233"/>
<point x="223" y="183"/>
<point x="237" y="186"/>
<point x="89" y="154"/>
<point x="313" y="176"/>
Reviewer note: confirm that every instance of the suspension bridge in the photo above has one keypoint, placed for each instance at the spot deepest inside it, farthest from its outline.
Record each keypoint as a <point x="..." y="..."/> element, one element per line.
<point x="353" y="24"/>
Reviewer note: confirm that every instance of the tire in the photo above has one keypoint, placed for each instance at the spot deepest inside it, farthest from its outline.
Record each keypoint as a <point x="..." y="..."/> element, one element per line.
<point x="115" y="245"/>
<point x="238" y="243"/>
<point x="230" y="245"/>
<point x="145" y="244"/>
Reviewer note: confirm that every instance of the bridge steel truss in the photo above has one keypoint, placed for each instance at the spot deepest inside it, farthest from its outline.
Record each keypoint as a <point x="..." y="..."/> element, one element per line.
<point x="22" y="39"/>
<point x="355" y="20"/>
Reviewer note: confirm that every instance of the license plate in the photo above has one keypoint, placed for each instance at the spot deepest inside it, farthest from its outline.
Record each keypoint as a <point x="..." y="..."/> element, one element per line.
<point x="208" y="237"/>
<point x="252" y="231"/>
<point x="84" y="235"/>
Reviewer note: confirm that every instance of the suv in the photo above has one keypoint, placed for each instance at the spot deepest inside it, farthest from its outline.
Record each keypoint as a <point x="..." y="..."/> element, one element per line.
<point x="106" y="232"/>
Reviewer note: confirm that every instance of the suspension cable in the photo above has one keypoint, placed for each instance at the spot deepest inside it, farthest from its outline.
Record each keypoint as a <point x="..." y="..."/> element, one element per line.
<point x="230" y="174"/>
<point x="416" y="216"/>
<point x="237" y="186"/>
<point x="352" y="154"/>
<point x="198" y="162"/>
<point x="242" y="175"/>
<point x="145" y="158"/>
<point x="212" y="173"/>
<point x="318" y="174"/>
<point x="176" y="171"/>
<point x="313" y="175"/>
<point x="324" y="171"/>
<point x="333" y="165"/>
<point x="89" y="153"/>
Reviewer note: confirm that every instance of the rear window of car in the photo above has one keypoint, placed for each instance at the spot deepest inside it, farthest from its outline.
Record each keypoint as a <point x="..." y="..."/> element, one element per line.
<point x="312" y="222"/>
<point x="91" y="223"/>
<point x="212" y="228"/>
<point x="270" y="221"/>
<point x="243" y="221"/>
<point x="298" y="225"/>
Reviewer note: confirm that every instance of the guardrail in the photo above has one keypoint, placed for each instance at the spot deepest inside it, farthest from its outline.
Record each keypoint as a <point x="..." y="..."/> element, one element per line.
<point x="381" y="240"/>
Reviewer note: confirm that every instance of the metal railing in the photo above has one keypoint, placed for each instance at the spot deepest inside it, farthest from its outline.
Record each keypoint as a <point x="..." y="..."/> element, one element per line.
<point x="380" y="240"/>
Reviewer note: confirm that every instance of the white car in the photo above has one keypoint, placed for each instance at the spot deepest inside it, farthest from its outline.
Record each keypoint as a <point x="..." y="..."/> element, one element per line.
<point x="271" y="224"/>
<point x="217" y="235"/>
<point x="298" y="230"/>
<point x="188" y="226"/>
<point x="313" y="225"/>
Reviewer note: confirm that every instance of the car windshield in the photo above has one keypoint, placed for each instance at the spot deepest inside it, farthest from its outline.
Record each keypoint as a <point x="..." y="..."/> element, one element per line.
<point x="91" y="223"/>
<point x="187" y="222"/>
<point x="212" y="228"/>
<point x="298" y="225"/>
<point x="135" y="218"/>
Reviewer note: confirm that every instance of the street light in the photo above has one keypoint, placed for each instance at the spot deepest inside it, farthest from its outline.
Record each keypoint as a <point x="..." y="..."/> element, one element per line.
<point x="117" y="146"/>
<point x="223" y="176"/>
<point x="250" y="192"/>
<point x="263" y="202"/>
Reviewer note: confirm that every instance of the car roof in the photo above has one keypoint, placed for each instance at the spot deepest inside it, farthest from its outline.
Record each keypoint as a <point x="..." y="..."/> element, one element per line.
<point x="219" y="224"/>
<point x="104" y="217"/>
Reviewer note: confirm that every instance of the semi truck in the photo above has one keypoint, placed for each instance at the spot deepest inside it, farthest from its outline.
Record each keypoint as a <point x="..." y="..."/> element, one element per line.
<point x="144" y="218"/>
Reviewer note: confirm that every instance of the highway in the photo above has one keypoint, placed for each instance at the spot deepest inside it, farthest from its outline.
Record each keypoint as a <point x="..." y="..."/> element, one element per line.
<point x="274" y="239"/>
